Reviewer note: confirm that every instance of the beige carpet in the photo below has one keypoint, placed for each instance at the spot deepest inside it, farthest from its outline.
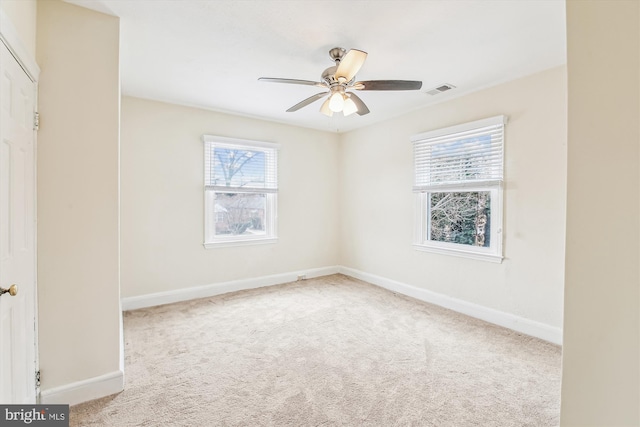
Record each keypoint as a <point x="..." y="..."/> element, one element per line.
<point x="332" y="351"/>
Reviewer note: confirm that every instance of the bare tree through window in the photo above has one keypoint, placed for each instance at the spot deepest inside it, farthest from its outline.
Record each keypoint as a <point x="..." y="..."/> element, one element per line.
<point x="461" y="217"/>
<point x="242" y="213"/>
<point x="241" y="187"/>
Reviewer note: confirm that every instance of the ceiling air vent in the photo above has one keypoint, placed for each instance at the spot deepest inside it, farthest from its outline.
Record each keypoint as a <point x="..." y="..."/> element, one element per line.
<point x="442" y="88"/>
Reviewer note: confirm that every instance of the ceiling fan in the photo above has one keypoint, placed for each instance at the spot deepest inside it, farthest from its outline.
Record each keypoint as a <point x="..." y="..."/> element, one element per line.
<point x="339" y="82"/>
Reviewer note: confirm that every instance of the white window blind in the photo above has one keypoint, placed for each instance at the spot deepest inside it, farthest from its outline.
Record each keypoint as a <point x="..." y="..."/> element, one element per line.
<point x="241" y="166"/>
<point x="467" y="155"/>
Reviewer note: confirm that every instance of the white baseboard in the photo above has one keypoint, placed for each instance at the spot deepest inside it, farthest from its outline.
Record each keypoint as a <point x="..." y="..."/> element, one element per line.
<point x="151" y="300"/>
<point x="507" y="320"/>
<point x="85" y="390"/>
<point x="520" y="324"/>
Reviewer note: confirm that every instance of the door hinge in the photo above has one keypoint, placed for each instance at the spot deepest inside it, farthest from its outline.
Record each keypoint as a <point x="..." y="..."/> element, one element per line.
<point x="38" y="379"/>
<point x="36" y="121"/>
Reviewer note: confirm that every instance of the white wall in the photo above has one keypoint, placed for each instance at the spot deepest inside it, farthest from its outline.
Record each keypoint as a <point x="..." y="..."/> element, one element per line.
<point x="601" y="353"/>
<point x="377" y="203"/>
<point x="78" y="248"/>
<point x="22" y="14"/>
<point x="162" y="199"/>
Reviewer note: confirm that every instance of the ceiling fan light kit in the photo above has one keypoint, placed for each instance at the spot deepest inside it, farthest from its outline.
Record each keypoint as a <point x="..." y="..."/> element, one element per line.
<point x="336" y="102"/>
<point x="339" y="80"/>
<point x="350" y="107"/>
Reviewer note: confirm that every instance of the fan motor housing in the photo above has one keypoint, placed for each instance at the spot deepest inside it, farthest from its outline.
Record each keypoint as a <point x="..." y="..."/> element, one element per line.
<point x="328" y="76"/>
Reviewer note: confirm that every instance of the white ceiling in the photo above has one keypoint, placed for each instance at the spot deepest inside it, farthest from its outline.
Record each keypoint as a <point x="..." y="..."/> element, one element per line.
<point x="210" y="53"/>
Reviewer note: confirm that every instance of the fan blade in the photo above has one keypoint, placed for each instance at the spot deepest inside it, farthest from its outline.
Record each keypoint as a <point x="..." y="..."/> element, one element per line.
<point x="388" y="85"/>
<point x="362" y="109"/>
<point x="292" y="81"/>
<point x="350" y="64"/>
<point x="307" y="101"/>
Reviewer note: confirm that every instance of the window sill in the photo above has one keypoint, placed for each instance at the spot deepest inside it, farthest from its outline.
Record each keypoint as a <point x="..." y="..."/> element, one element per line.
<point x="460" y="253"/>
<point x="244" y="242"/>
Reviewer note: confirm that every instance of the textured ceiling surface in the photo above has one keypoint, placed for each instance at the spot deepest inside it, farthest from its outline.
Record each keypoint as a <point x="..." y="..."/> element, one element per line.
<point x="210" y="53"/>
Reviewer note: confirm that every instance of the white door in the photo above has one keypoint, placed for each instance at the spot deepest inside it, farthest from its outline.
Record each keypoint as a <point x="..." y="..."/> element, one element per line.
<point x="17" y="233"/>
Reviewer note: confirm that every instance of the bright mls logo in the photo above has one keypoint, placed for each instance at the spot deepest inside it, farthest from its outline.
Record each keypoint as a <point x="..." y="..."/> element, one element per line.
<point x="37" y="415"/>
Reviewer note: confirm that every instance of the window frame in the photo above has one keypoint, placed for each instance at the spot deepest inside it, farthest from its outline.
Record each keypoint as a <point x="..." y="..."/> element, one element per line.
<point x="422" y="229"/>
<point x="271" y="196"/>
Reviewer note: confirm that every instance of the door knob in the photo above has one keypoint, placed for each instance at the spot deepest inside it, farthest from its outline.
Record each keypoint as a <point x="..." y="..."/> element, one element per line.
<point x="13" y="290"/>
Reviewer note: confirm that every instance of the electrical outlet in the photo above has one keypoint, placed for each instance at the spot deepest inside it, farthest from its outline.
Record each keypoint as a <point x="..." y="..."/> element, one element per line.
<point x="302" y="277"/>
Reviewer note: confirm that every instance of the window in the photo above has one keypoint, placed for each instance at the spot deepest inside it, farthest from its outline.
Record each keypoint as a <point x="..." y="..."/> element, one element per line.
<point x="458" y="187"/>
<point x="241" y="186"/>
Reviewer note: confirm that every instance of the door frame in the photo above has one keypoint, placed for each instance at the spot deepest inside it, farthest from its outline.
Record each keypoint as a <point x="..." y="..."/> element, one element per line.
<point x="10" y="37"/>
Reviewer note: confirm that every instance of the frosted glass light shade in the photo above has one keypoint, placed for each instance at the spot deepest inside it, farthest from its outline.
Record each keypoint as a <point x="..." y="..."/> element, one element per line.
<point x="325" y="108"/>
<point x="336" y="102"/>
<point x="350" y="107"/>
